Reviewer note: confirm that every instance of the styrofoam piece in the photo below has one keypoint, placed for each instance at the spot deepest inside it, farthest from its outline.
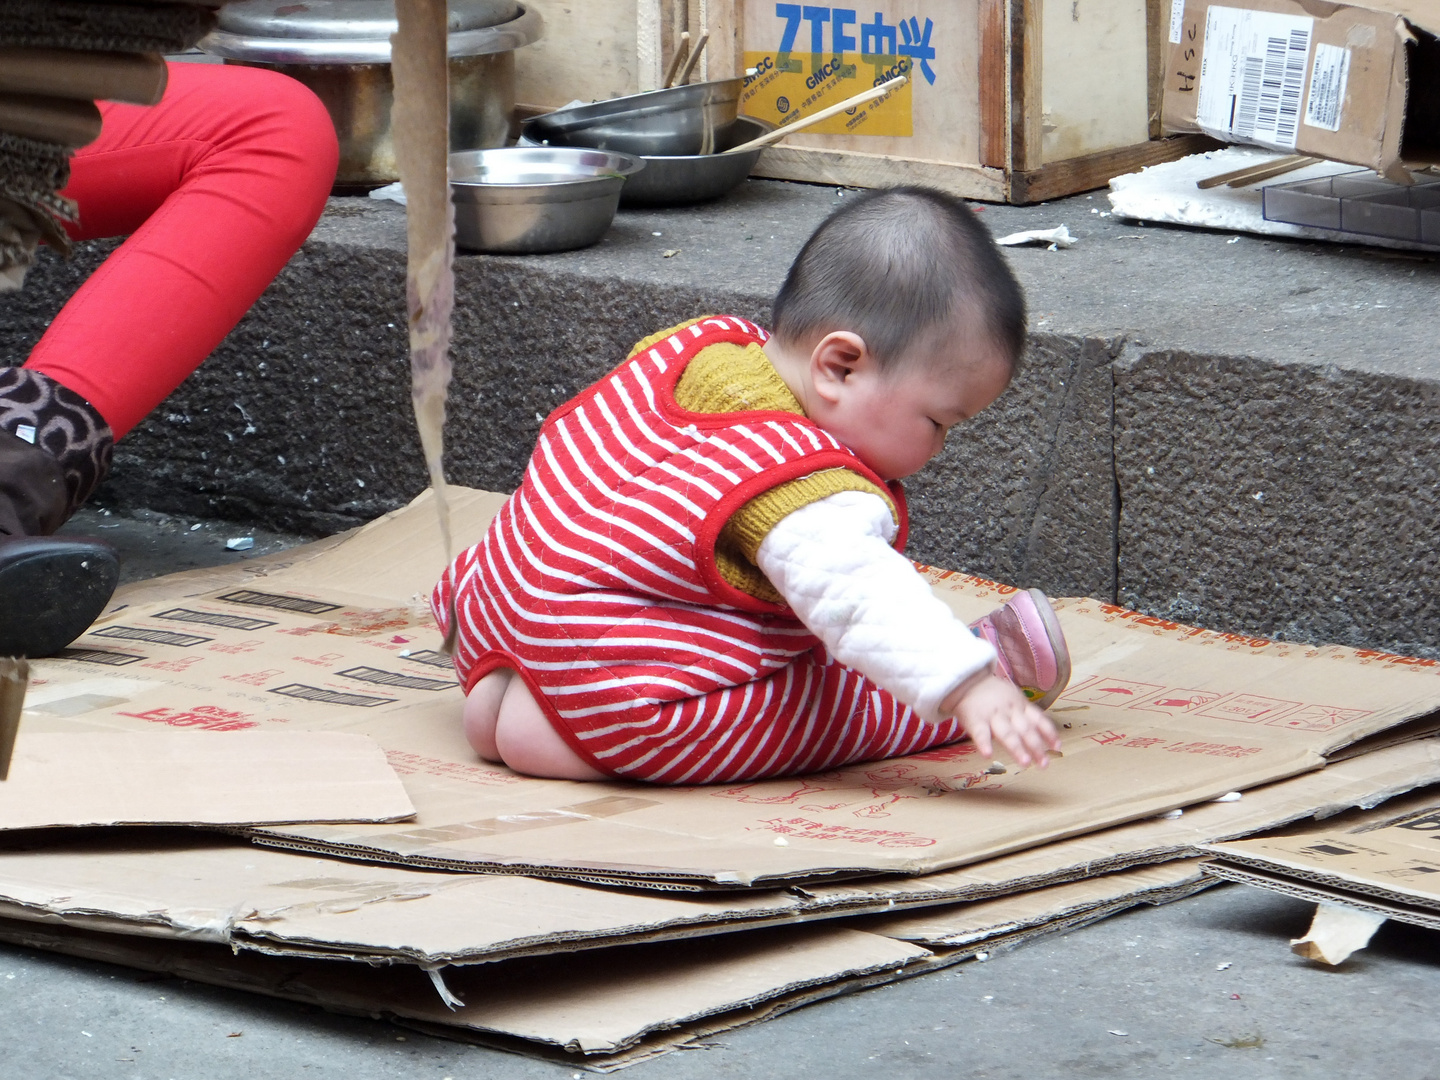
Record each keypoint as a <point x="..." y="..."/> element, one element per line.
<point x="1166" y="194"/>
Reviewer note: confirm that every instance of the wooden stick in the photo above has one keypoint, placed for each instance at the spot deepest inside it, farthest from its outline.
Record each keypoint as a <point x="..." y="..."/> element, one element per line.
<point x="138" y="78"/>
<point x="50" y="119"/>
<point x="14" y="678"/>
<point x="421" y="126"/>
<point x="675" y="61"/>
<point x="1253" y="174"/>
<point x="1278" y="169"/>
<point x="694" y="58"/>
<point x="824" y="114"/>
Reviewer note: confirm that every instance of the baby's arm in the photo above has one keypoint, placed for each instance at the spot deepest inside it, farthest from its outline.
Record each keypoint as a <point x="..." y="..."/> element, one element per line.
<point x="833" y="563"/>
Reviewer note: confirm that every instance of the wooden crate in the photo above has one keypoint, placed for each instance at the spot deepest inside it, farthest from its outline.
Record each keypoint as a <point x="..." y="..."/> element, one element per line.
<point x="1008" y="101"/>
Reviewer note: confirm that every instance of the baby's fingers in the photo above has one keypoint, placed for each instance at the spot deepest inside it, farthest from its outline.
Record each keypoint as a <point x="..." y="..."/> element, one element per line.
<point x="1039" y="735"/>
<point x="1010" y="736"/>
<point x="980" y="736"/>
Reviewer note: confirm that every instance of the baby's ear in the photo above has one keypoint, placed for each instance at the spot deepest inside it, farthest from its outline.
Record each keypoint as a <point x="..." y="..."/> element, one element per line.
<point x="836" y="357"/>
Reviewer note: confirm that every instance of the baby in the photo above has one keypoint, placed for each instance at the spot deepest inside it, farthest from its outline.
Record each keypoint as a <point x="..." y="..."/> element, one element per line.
<point x="699" y="578"/>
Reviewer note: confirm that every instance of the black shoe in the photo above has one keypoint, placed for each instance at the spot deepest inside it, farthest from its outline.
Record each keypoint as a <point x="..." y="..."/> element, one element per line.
<point x="51" y="589"/>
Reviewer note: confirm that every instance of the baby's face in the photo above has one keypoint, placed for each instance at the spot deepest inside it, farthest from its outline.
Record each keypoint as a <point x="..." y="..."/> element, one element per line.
<point x="896" y="420"/>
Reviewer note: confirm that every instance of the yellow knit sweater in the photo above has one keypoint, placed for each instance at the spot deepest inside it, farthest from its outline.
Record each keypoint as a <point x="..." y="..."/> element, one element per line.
<point x="732" y="378"/>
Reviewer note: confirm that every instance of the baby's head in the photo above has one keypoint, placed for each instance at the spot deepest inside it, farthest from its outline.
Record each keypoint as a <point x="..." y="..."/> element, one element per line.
<point x="898" y="319"/>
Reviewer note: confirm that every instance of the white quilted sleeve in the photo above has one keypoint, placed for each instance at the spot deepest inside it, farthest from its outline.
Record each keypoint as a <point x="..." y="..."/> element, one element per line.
<point x="833" y="563"/>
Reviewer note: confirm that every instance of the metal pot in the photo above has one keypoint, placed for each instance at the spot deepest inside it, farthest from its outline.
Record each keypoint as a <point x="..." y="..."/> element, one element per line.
<point x="341" y="50"/>
<point x="680" y="120"/>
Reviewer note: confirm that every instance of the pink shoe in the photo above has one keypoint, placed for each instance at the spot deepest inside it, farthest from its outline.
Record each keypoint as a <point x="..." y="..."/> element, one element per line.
<point x="1027" y="638"/>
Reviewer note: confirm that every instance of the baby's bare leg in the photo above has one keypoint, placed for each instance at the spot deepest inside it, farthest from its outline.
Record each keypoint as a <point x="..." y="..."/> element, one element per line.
<point x="482" y="710"/>
<point x="528" y="743"/>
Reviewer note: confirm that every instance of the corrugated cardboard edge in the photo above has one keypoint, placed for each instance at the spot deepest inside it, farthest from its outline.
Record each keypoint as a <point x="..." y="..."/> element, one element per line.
<point x="216" y="964"/>
<point x="1319" y="891"/>
<point x="1367" y="782"/>
<point x="1234" y="862"/>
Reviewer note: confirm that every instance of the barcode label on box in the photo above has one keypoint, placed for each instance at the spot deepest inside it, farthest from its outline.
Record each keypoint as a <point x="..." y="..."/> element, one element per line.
<point x="99" y="656"/>
<point x="214" y="618"/>
<point x="1327" y="87"/>
<point x="330" y="697"/>
<point x="1177" y="20"/>
<point x="279" y="602"/>
<point x="430" y="658"/>
<point x="1252" y="76"/>
<point x="395" y="678"/>
<point x="154" y="637"/>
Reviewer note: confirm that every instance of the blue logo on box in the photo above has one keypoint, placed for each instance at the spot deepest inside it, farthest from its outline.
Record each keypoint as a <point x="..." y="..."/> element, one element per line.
<point x="877" y="41"/>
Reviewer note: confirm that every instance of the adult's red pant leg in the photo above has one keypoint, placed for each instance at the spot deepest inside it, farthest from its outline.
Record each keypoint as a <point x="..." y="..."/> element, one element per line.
<point x="216" y="186"/>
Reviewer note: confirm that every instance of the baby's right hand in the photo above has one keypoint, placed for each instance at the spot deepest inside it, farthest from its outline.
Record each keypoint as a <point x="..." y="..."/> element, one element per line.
<point x="993" y="710"/>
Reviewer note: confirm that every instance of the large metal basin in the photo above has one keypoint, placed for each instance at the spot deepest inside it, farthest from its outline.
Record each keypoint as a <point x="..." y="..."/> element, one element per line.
<point x="341" y="50"/>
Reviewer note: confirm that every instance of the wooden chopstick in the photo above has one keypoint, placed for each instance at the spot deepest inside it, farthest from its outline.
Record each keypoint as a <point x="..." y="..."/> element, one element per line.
<point x="1253" y="174"/>
<point x="694" y="58"/>
<point x="824" y="114"/>
<point x="682" y="51"/>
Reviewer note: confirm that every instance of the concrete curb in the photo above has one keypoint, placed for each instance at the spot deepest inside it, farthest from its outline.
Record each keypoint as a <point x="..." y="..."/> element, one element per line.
<point x="1277" y="497"/>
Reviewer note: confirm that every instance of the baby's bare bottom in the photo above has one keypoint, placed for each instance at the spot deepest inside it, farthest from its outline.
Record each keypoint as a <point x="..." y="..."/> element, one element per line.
<point x="503" y="723"/>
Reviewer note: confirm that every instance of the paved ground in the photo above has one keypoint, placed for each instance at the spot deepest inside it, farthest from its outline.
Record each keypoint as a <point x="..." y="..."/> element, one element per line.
<point x="1136" y="996"/>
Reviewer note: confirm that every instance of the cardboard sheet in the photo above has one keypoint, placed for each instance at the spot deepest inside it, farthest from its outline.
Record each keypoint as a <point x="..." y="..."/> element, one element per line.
<point x="1158" y="715"/>
<point x="170" y="777"/>
<point x="196" y="887"/>
<point x="1384" y="861"/>
<point x="599" y="1005"/>
<point x="981" y="923"/>
<point x="614" y="1007"/>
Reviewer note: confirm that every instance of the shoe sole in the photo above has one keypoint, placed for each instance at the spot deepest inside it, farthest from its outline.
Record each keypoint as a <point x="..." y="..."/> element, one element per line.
<point x="1056" y="637"/>
<point x="52" y="592"/>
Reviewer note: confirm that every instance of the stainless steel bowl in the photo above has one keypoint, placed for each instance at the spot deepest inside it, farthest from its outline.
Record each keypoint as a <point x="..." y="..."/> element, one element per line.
<point x="683" y="120"/>
<point x="523" y="200"/>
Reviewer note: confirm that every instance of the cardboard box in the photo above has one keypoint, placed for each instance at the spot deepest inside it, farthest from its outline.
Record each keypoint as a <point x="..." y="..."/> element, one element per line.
<point x="1008" y="100"/>
<point x="1355" y="82"/>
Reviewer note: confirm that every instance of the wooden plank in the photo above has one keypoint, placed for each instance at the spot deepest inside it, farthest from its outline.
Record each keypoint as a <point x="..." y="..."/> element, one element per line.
<point x="994" y="84"/>
<point x="1093" y="86"/>
<point x="851" y="168"/>
<point x="1060" y="178"/>
<point x="725" y="58"/>
<point x="1026" y="112"/>
<point x="589" y="52"/>
<point x="651" y="55"/>
<point x="1157" y="29"/>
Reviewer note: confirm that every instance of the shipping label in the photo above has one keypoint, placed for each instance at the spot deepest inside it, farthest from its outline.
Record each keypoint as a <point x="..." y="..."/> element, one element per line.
<point x="816" y="56"/>
<point x="1252" y="76"/>
<point x="1328" y="76"/>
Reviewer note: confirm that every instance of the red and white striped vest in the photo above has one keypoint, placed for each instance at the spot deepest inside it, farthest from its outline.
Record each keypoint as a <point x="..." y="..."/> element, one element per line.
<point x="597" y="583"/>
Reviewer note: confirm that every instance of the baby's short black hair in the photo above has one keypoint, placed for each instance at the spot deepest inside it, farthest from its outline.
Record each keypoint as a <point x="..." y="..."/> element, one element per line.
<point x="895" y="264"/>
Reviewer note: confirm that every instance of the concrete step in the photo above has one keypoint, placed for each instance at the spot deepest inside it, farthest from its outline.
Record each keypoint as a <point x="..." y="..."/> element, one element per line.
<point x="1237" y="432"/>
